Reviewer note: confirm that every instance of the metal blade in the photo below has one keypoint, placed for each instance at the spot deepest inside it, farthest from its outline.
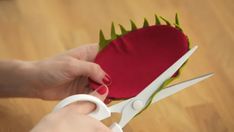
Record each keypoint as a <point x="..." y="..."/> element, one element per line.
<point x="178" y="87"/>
<point x="117" y="108"/>
<point x="150" y="89"/>
<point x="129" y="112"/>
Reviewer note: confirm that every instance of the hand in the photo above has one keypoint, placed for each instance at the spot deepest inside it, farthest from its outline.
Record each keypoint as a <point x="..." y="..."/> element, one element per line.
<point x="54" y="78"/>
<point x="73" y="118"/>
<point x="68" y="73"/>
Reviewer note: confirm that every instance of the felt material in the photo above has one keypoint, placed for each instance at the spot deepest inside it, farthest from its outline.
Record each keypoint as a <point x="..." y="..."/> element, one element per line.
<point x="135" y="59"/>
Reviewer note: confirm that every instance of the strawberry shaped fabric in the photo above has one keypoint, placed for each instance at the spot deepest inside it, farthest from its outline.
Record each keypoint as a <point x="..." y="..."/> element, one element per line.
<point x="135" y="58"/>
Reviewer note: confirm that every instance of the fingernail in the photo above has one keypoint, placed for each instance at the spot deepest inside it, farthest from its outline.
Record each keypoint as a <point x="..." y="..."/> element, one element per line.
<point x="102" y="89"/>
<point x="107" y="101"/>
<point x="106" y="80"/>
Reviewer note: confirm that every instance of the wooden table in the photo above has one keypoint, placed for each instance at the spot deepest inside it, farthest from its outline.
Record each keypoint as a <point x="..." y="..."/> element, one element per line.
<point x="36" y="29"/>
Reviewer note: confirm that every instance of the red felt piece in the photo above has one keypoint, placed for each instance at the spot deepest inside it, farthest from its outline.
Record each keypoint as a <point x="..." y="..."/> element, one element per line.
<point x="134" y="60"/>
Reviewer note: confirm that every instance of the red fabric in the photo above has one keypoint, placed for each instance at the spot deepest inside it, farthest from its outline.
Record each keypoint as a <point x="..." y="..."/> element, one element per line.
<point x="134" y="60"/>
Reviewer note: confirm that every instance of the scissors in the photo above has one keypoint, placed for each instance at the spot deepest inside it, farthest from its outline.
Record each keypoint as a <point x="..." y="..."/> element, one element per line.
<point x="133" y="106"/>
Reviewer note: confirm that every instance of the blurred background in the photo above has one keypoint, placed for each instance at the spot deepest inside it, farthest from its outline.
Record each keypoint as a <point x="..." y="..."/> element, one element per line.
<point x="36" y="29"/>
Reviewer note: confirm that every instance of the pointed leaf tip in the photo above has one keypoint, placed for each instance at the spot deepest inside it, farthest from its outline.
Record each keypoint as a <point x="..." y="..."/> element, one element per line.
<point x="113" y="33"/>
<point x="177" y="19"/>
<point x="123" y="30"/>
<point x="133" y="25"/>
<point x="146" y="23"/>
<point x="102" y="40"/>
<point x="101" y="36"/>
<point x="157" y="21"/>
<point x="165" y="20"/>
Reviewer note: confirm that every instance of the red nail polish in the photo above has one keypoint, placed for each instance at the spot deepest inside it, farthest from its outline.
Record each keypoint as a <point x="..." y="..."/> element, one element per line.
<point x="106" y="80"/>
<point x="107" y="101"/>
<point x="102" y="90"/>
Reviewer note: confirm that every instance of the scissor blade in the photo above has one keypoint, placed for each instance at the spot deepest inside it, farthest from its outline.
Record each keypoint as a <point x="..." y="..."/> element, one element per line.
<point x="129" y="112"/>
<point x="150" y="89"/>
<point x="117" y="108"/>
<point x="178" y="87"/>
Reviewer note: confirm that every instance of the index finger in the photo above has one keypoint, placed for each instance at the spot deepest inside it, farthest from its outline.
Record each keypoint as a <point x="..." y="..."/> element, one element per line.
<point x="86" y="52"/>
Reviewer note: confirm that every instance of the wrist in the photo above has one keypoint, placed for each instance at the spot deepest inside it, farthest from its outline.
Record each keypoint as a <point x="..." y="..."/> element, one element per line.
<point x="17" y="78"/>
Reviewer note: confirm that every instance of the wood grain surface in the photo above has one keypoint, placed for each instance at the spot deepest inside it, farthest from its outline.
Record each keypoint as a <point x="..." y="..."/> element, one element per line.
<point x="36" y="29"/>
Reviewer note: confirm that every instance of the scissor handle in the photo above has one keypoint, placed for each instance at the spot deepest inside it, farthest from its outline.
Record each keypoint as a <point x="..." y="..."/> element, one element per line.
<point x="101" y="112"/>
<point x="115" y="127"/>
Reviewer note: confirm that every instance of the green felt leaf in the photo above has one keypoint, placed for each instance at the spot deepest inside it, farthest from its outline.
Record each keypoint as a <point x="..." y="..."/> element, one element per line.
<point x="177" y="20"/>
<point x="146" y="23"/>
<point x="178" y="27"/>
<point x="157" y="20"/>
<point x="113" y="33"/>
<point x="123" y="30"/>
<point x="102" y="40"/>
<point x="177" y="23"/>
<point x="165" y="20"/>
<point x="133" y="25"/>
<point x="189" y="42"/>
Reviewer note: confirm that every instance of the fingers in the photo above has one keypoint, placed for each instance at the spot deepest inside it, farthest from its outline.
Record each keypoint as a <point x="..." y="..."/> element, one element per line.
<point x="92" y="51"/>
<point x="102" y="128"/>
<point x="101" y="92"/>
<point x="91" y="70"/>
<point x="83" y="55"/>
<point x="86" y="107"/>
<point x="86" y="52"/>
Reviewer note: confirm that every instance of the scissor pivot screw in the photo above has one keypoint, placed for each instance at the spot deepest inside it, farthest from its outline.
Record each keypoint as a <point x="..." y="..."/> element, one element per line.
<point x="137" y="104"/>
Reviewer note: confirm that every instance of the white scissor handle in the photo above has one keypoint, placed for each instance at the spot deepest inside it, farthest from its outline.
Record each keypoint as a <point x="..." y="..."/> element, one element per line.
<point x="115" y="127"/>
<point x="101" y="112"/>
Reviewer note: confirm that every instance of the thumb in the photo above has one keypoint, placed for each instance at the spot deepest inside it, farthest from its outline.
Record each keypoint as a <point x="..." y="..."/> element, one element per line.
<point x="86" y="107"/>
<point x="101" y="92"/>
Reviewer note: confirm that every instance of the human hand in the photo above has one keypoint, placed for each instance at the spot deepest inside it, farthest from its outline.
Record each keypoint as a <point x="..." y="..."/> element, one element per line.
<point x="74" y="118"/>
<point x="68" y="73"/>
<point x="54" y="78"/>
